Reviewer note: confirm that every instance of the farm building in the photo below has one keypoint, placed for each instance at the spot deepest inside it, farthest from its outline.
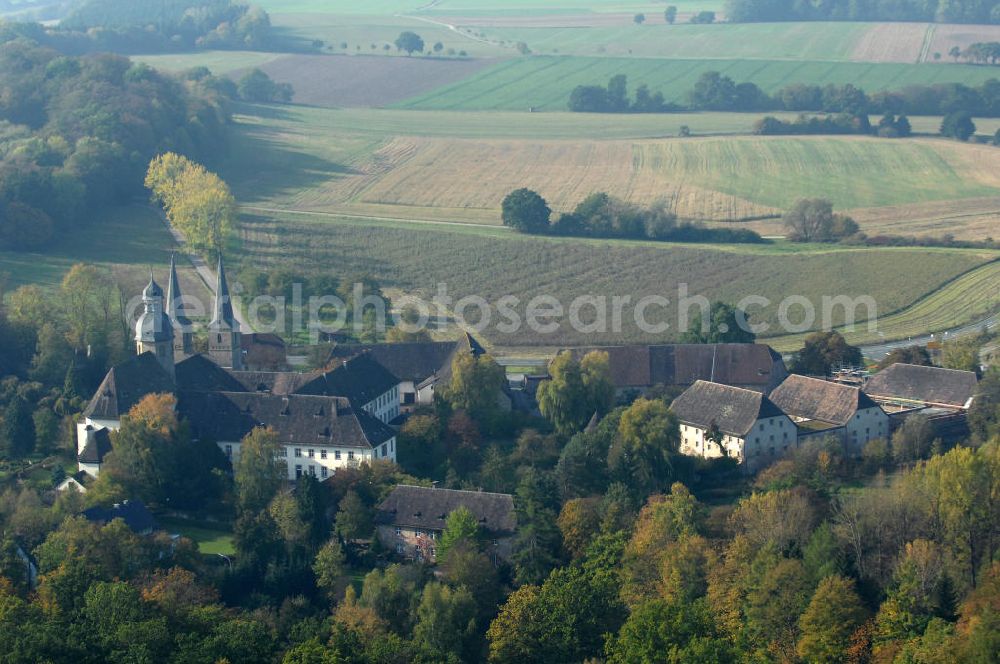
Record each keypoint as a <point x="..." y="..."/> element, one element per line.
<point x="823" y="408"/>
<point x="721" y="420"/>
<point x="906" y="386"/>
<point x="639" y="368"/>
<point x="411" y="519"/>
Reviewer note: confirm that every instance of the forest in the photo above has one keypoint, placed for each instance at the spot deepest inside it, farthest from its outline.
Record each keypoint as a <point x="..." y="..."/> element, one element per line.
<point x="78" y="132"/>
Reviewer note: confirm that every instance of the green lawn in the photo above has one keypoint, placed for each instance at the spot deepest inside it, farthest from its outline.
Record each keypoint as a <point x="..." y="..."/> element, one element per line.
<point x="210" y="540"/>
<point x="545" y="83"/>
<point x="481" y="7"/>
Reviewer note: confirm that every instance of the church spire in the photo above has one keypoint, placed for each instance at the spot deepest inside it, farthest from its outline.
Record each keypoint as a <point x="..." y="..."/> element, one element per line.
<point x="183" y="329"/>
<point x="224" y="339"/>
<point x="222" y="308"/>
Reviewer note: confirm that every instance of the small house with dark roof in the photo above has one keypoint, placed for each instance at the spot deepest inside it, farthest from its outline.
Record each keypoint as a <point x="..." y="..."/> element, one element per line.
<point x="133" y="512"/>
<point x="638" y="368"/>
<point x="418" y="366"/>
<point x="824" y="408"/>
<point x="721" y="420"/>
<point x="908" y="386"/>
<point x="411" y="519"/>
<point x="93" y="445"/>
<point x="367" y="384"/>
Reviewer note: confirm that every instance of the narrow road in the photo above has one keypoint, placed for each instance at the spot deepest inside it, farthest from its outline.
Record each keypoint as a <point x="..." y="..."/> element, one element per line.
<point x="878" y="351"/>
<point x="206" y="274"/>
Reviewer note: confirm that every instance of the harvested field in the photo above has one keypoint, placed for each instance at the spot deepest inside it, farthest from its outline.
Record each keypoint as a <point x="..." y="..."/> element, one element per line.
<point x="545" y="83"/>
<point x="364" y="81"/>
<point x="392" y="164"/>
<point x="946" y="36"/>
<point x="493" y="263"/>
<point x="891" y="42"/>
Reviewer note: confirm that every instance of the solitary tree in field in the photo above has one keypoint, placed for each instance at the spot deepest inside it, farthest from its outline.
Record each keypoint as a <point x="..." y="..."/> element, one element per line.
<point x="524" y="210"/>
<point x="955" y="52"/>
<point x="438" y="47"/>
<point x="639" y="19"/>
<point x="409" y="42"/>
<point x="670" y="14"/>
<point x="813" y="220"/>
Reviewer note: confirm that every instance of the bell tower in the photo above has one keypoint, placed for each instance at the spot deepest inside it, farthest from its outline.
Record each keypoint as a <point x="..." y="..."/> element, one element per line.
<point x="153" y="331"/>
<point x="224" y="331"/>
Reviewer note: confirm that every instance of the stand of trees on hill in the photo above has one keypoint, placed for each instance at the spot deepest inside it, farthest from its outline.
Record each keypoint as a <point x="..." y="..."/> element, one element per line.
<point x="602" y="215"/>
<point x="716" y="92"/>
<point x="940" y="11"/>
<point x="82" y="129"/>
<point x="130" y="26"/>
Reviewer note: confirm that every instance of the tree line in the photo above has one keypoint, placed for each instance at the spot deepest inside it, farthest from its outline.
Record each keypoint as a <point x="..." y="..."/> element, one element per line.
<point x="940" y="11"/>
<point x="716" y="92"/>
<point x="124" y="26"/>
<point x="603" y="215"/>
<point x="82" y="130"/>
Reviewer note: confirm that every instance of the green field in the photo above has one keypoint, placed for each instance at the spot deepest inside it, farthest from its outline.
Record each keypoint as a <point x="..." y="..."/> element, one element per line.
<point x="128" y="241"/>
<point x="970" y="298"/>
<point x="771" y="41"/>
<point x="494" y="262"/>
<point x="482" y="7"/>
<point x="454" y="166"/>
<point x="545" y="83"/>
<point x="210" y="540"/>
<point x="219" y="62"/>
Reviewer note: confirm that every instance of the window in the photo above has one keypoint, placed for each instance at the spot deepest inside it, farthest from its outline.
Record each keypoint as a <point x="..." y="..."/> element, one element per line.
<point x="229" y="451"/>
<point x="336" y="455"/>
<point x="385" y="450"/>
<point x="323" y="472"/>
<point x="350" y="455"/>
<point x="392" y="445"/>
<point x="399" y="548"/>
<point x="322" y="454"/>
<point x="298" y="471"/>
<point x="298" y="452"/>
<point x="399" y="532"/>
<point x="284" y="452"/>
<point x="312" y="454"/>
<point x="312" y="470"/>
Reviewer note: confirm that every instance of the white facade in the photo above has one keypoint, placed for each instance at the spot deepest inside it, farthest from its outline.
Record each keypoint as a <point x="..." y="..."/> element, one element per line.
<point x="321" y="461"/>
<point x="385" y="407"/>
<point x="867" y="424"/>
<point x="768" y="439"/>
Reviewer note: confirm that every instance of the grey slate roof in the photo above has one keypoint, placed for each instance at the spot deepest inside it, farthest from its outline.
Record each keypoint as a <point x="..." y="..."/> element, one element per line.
<point x="360" y="379"/>
<point x="733" y="409"/>
<point x="309" y="420"/>
<point x="132" y="512"/>
<point x="817" y="399"/>
<point x="97" y="448"/>
<point x="930" y="385"/>
<point x="126" y="384"/>
<point x="198" y="373"/>
<point x="412" y="361"/>
<point x="422" y="507"/>
<point x="754" y="366"/>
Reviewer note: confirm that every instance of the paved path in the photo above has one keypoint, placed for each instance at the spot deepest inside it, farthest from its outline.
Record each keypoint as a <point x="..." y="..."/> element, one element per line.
<point x="878" y="351"/>
<point x="206" y="274"/>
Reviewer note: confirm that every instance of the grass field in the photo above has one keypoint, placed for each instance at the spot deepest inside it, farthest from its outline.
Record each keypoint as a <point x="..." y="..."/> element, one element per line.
<point x="484" y="7"/>
<point x="345" y="162"/>
<point x="545" y="83"/>
<point x="211" y="541"/>
<point x="969" y="298"/>
<point x="219" y="62"/>
<point x="493" y="263"/>
<point x="126" y="240"/>
<point x="772" y="41"/>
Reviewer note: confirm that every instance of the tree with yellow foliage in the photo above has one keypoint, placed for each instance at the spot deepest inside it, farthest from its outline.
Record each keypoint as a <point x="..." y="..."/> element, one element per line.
<point x="197" y="202"/>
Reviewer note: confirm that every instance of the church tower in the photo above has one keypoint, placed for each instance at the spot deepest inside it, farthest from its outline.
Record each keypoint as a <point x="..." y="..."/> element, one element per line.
<point x="183" y="330"/>
<point x="224" y="331"/>
<point x="153" y="331"/>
